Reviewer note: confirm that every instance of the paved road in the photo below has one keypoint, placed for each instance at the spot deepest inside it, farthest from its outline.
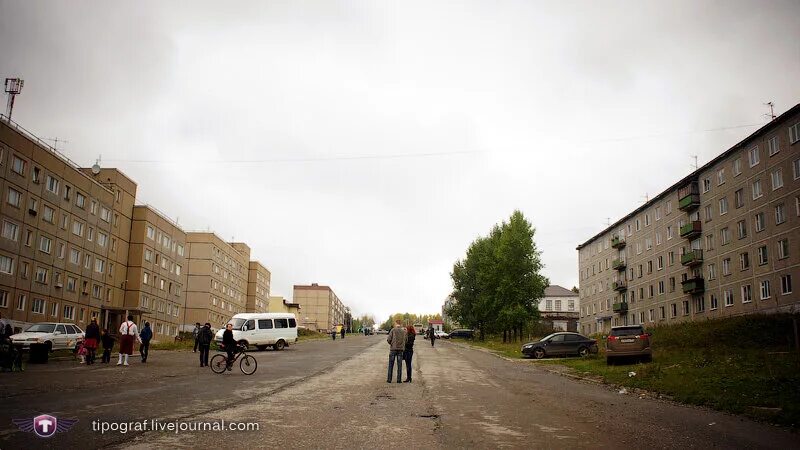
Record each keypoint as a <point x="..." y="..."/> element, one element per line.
<point x="460" y="398"/>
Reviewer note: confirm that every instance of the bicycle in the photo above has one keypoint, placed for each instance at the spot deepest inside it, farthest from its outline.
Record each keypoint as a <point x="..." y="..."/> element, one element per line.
<point x="247" y="363"/>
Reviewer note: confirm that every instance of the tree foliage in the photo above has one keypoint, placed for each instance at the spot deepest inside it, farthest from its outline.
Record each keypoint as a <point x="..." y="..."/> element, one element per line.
<point x="497" y="285"/>
<point x="409" y="319"/>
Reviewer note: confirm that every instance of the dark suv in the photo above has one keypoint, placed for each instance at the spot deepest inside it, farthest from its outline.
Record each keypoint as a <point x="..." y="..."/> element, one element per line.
<point x="629" y="340"/>
<point x="560" y="344"/>
<point x="462" y="333"/>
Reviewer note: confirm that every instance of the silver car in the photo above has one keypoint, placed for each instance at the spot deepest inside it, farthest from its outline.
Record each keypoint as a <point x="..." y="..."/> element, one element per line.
<point x="56" y="336"/>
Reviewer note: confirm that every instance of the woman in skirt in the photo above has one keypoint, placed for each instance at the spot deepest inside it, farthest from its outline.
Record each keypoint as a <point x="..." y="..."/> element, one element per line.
<point x="128" y="334"/>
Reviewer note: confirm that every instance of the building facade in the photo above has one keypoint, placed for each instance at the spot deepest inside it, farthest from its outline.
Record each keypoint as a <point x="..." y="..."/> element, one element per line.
<point x="216" y="279"/>
<point x="721" y="242"/>
<point x="258" y="279"/>
<point x="278" y="304"/>
<point x="320" y="305"/>
<point x="560" y="307"/>
<point x="157" y="274"/>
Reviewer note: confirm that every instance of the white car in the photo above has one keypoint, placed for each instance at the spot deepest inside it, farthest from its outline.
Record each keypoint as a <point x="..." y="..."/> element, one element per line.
<point x="441" y="334"/>
<point x="56" y="335"/>
<point x="261" y="330"/>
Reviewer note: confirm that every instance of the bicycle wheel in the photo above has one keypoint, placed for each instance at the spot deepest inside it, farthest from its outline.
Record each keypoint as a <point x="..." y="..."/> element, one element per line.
<point x="248" y="365"/>
<point x="219" y="363"/>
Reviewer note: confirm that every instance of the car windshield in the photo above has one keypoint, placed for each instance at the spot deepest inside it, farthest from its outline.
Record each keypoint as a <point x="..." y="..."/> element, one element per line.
<point x="237" y="323"/>
<point x="41" y="328"/>
<point x="626" y="331"/>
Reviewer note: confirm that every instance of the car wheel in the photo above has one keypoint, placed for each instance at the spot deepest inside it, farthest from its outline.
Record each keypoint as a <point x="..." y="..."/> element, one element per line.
<point x="583" y="352"/>
<point x="279" y="345"/>
<point x="261" y="347"/>
<point x="538" y="353"/>
<point x="243" y="344"/>
<point x="50" y="347"/>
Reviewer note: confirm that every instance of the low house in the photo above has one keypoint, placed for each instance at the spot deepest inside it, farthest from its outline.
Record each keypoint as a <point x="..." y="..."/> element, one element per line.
<point x="560" y="307"/>
<point x="438" y="325"/>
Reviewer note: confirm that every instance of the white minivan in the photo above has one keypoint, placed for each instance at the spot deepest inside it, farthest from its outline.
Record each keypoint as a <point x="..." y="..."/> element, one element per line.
<point x="262" y="329"/>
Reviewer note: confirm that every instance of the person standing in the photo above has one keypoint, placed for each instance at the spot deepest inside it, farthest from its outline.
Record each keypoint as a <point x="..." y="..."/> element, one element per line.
<point x="343" y="330"/>
<point x="333" y="333"/>
<point x="229" y="343"/>
<point x="397" y="344"/>
<point x="204" y="338"/>
<point x="196" y="334"/>
<point x="144" y="338"/>
<point x="128" y="333"/>
<point x="432" y="335"/>
<point x="108" y="344"/>
<point x="411" y="335"/>
<point x="91" y="341"/>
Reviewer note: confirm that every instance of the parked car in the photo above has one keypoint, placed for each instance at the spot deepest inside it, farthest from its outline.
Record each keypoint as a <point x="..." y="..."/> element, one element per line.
<point x="56" y="336"/>
<point x="262" y="330"/>
<point x="441" y="334"/>
<point x="462" y="333"/>
<point x="629" y="340"/>
<point x="560" y="344"/>
<point x="382" y="331"/>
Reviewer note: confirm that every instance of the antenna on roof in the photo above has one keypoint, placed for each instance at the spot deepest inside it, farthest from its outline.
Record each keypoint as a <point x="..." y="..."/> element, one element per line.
<point x="13" y="87"/>
<point x="608" y="221"/>
<point x="646" y="197"/>
<point x="771" y="114"/>
<point x="55" y="141"/>
<point x="695" y="166"/>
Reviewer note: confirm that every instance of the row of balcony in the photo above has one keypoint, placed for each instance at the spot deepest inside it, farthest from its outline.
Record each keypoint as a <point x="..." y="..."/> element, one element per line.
<point x="617" y="242"/>
<point x="692" y="229"/>
<point x="692" y="286"/>
<point x="689" y="197"/>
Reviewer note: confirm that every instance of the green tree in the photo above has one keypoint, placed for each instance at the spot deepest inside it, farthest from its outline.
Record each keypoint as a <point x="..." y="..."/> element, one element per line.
<point x="497" y="285"/>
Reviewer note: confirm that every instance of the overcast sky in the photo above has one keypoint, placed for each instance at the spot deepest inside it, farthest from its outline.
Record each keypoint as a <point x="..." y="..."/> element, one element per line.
<point x="290" y="125"/>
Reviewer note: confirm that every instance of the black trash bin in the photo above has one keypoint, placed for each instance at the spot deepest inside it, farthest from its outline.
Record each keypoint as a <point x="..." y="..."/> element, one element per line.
<point x="39" y="354"/>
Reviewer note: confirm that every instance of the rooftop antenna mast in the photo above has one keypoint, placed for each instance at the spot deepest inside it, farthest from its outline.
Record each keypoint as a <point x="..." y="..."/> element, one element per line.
<point x="646" y="197"/>
<point x="13" y="87"/>
<point x="608" y="221"/>
<point x="695" y="166"/>
<point x="771" y="110"/>
<point x="56" y="140"/>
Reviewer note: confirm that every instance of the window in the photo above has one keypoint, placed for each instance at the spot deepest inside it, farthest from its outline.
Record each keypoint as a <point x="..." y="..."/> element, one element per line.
<point x="725" y="234"/>
<point x="757" y="193"/>
<point x="6" y="265"/>
<point x="72" y="284"/>
<point x="64" y="221"/>
<point x="638" y="228"/>
<point x="747" y="294"/>
<point x="744" y="260"/>
<point x="647" y="220"/>
<point x="52" y="184"/>
<point x="706" y="185"/>
<point x="54" y="309"/>
<point x="712" y="271"/>
<point x="794" y="133"/>
<point x="648" y="242"/>
<point x="741" y="227"/>
<point x="87" y="261"/>
<point x="177" y="269"/>
<point x="659" y="262"/>
<point x="37" y="306"/>
<point x="739" y="198"/>
<point x="660" y="287"/>
<point x="753" y="156"/>
<point x="102" y="239"/>
<point x="62" y="248"/>
<point x="737" y="167"/>
<point x="45" y="244"/>
<point x="777" y="179"/>
<point x="710" y="242"/>
<point x="21" y="302"/>
<point x="99" y="265"/>
<point x="80" y="200"/>
<point x="18" y="165"/>
<point x="151" y="232"/>
<point x="41" y="275"/>
<point x="765" y="292"/>
<point x="93" y="207"/>
<point x="726" y="266"/>
<point x="673" y="310"/>
<point x="161" y="285"/>
<point x="786" y="284"/>
<point x="49" y="214"/>
<point x="720" y="176"/>
<point x="77" y="228"/>
<point x="723" y="206"/>
<point x="728" y="296"/>
<point x="763" y="256"/>
<point x="69" y="312"/>
<point x="783" y="249"/>
<point x="97" y="291"/>
<point x="105" y="214"/>
<point x="145" y="277"/>
<point x="13" y="197"/>
<point x="658" y="238"/>
<point x="148" y="255"/>
<point x="74" y="256"/>
<point x="67" y="191"/>
<point x="714" y="302"/>
<point x="649" y="267"/>
<point x="28" y="238"/>
<point x="10" y="231"/>
<point x="760" y="222"/>
<point x="796" y="169"/>
<point x="780" y="215"/>
<point x="180" y="250"/>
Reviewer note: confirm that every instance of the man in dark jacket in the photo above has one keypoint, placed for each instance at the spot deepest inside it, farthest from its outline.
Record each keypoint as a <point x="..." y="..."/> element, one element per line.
<point x="411" y="335"/>
<point x="204" y="338"/>
<point x="432" y="335"/>
<point x="229" y="343"/>
<point x="145" y="336"/>
<point x="108" y="344"/>
<point x="195" y="335"/>
<point x="90" y="341"/>
<point x="397" y="345"/>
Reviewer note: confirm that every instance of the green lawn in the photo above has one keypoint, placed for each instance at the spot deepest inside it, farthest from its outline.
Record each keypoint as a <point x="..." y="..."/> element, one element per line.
<point x="495" y="343"/>
<point x="744" y="365"/>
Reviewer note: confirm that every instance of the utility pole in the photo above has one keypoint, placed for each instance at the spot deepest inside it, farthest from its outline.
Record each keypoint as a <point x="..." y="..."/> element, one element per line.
<point x="13" y="87"/>
<point x="771" y="110"/>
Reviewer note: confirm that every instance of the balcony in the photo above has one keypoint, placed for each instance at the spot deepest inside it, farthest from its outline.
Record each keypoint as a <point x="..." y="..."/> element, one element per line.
<point x="689" y="197"/>
<point x="620" y="286"/>
<point x="692" y="258"/>
<point x="693" y="286"/>
<point x="692" y="229"/>
<point x="618" y="264"/>
<point x="617" y="242"/>
<point x="621" y="308"/>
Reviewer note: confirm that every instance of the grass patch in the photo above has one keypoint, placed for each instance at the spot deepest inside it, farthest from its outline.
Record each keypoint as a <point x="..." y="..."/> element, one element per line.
<point x="187" y="344"/>
<point x="495" y="344"/>
<point x="304" y="334"/>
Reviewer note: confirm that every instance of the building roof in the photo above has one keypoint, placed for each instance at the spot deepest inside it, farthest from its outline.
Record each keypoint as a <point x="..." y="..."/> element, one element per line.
<point x="692" y="176"/>
<point x="436" y="322"/>
<point x="558" y="291"/>
<point x="313" y="286"/>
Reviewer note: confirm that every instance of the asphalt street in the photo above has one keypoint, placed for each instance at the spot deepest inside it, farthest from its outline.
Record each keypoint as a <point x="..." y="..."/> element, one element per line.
<point x="326" y="394"/>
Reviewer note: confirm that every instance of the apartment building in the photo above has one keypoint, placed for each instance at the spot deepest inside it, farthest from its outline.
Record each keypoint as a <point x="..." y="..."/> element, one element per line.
<point x="321" y="308"/>
<point x="63" y="243"/>
<point x="560" y="307"/>
<point x="157" y="275"/>
<point x="258" y="280"/>
<point x="278" y="304"/>
<point x="216" y="287"/>
<point x="723" y="241"/>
